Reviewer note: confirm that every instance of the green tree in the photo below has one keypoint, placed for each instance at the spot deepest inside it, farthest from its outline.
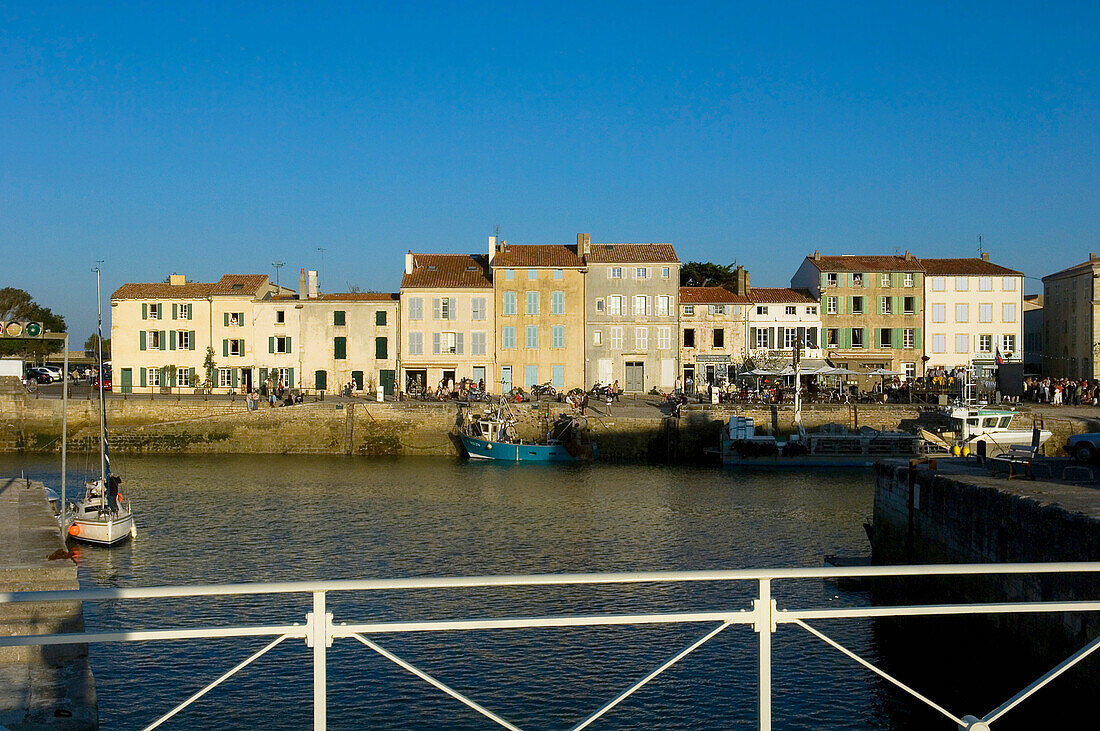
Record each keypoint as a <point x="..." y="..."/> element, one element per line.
<point x="91" y="345"/>
<point x="17" y="304"/>
<point x="707" y="274"/>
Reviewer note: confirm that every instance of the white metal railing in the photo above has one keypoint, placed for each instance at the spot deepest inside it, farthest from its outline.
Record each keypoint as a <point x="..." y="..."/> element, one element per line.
<point x="319" y="630"/>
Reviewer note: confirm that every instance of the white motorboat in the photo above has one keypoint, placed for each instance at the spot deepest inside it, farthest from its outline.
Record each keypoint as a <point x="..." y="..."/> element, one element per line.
<point x="101" y="516"/>
<point x="970" y="425"/>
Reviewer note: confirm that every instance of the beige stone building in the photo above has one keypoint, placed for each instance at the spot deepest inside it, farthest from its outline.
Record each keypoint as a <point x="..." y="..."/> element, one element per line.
<point x="321" y="342"/>
<point x="539" y="315"/>
<point x="973" y="310"/>
<point x="713" y="331"/>
<point x="161" y="332"/>
<point x="871" y="309"/>
<point x="447" y="320"/>
<point x="1071" y="321"/>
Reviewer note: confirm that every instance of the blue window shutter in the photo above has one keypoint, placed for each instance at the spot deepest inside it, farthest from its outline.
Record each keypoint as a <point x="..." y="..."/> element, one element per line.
<point x="141" y="345"/>
<point x="144" y="316"/>
<point x="190" y="339"/>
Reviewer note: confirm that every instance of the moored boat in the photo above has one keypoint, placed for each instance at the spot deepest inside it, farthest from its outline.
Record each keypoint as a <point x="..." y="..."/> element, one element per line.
<point x="966" y="427"/>
<point x="832" y="445"/>
<point x="492" y="435"/>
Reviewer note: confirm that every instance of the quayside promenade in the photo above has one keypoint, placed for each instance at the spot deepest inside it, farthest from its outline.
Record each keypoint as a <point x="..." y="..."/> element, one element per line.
<point x="631" y="430"/>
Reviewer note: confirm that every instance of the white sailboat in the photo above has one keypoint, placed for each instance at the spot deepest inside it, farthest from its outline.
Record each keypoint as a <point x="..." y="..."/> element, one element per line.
<point x="101" y="516"/>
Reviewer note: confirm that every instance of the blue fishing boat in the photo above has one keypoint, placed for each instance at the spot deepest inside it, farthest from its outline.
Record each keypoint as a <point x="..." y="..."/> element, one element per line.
<point x="493" y="436"/>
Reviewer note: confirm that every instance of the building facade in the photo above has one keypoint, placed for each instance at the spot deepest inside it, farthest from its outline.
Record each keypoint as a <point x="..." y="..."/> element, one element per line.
<point x="1071" y="321"/>
<point x="325" y="341"/>
<point x="779" y="319"/>
<point x="180" y="335"/>
<point x="713" y="331"/>
<point x="973" y="312"/>
<point x="1033" y="333"/>
<point x="632" y="297"/>
<point x="539" y="314"/>
<point x="871" y="309"/>
<point x="447" y="320"/>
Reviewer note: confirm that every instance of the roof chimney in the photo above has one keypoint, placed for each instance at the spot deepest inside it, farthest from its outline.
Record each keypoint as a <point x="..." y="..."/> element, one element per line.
<point x="908" y="256"/>
<point x="410" y="264"/>
<point x="817" y="255"/>
<point x="313" y="289"/>
<point x="302" y="284"/>
<point x="985" y="256"/>
<point x="1092" y="256"/>
<point x="177" y="279"/>
<point x="584" y="244"/>
<point x="492" y="249"/>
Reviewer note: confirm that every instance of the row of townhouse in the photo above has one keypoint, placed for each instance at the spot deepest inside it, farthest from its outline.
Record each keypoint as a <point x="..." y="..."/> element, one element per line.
<point x="908" y="314"/>
<point x="569" y="315"/>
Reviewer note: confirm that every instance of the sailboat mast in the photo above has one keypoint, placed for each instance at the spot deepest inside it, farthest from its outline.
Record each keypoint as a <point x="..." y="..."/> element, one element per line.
<point x="102" y="405"/>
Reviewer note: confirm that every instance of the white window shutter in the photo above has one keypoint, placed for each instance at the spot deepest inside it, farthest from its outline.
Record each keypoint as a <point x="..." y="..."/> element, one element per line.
<point x="458" y="343"/>
<point x="435" y="342"/>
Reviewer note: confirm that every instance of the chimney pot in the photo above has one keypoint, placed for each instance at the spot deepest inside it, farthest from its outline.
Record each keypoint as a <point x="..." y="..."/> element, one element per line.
<point x="177" y="279"/>
<point x="985" y="256"/>
<point x="584" y="244"/>
<point x="302" y="290"/>
<point x="492" y="248"/>
<point x="409" y="263"/>
<point x="1092" y="256"/>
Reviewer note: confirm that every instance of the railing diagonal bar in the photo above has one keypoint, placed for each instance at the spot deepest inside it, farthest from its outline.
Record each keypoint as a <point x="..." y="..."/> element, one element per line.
<point x="1044" y="680"/>
<point x="239" y="666"/>
<point x="664" y="666"/>
<point x="436" y="683"/>
<point x="880" y="673"/>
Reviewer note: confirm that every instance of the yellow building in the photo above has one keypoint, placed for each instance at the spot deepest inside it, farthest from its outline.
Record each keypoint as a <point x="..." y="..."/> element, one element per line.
<point x="539" y="303"/>
<point x="446" y="320"/>
<point x="322" y="342"/>
<point x="161" y="333"/>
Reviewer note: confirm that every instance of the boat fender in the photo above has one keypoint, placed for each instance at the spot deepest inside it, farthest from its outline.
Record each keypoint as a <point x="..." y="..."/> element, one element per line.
<point x="74" y="530"/>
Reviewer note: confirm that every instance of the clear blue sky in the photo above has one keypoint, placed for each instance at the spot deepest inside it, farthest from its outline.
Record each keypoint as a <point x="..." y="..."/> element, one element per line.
<point x="205" y="138"/>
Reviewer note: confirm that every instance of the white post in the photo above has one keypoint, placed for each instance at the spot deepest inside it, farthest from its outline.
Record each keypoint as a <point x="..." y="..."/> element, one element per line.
<point x="319" y="638"/>
<point x="764" y="626"/>
<point x="64" y="434"/>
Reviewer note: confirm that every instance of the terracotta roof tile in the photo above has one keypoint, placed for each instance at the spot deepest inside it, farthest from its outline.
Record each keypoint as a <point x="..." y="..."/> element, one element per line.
<point x="966" y="267"/>
<point x="710" y="295"/>
<point x="449" y="271"/>
<point x="781" y="295"/>
<point x="632" y="254"/>
<point x="249" y="284"/>
<point x="866" y="263"/>
<point x="361" y="297"/>
<point x="548" y="255"/>
<point x="1091" y="262"/>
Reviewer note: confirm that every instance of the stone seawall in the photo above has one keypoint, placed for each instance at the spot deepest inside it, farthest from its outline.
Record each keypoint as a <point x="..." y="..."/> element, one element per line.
<point x="634" y="431"/>
<point x="927" y="517"/>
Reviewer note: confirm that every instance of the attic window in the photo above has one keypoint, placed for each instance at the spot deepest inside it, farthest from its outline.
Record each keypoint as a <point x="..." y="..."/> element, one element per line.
<point x="238" y="285"/>
<point x="431" y="267"/>
<point x="471" y="269"/>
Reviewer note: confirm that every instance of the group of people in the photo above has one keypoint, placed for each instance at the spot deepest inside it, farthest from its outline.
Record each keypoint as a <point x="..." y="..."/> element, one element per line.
<point x="275" y="393"/>
<point x="1062" y="391"/>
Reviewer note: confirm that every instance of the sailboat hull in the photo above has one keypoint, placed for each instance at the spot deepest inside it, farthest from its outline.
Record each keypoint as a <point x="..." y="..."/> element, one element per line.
<point x="102" y="531"/>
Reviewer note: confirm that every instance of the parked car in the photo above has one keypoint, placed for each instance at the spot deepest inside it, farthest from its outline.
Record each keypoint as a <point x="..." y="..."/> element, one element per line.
<point x="106" y="383"/>
<point x="40" y="374"/>
<point x="1084" y="448"/>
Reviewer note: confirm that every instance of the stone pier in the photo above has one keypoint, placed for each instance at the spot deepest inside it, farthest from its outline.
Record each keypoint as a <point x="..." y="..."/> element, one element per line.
<point x="40" y="687"/>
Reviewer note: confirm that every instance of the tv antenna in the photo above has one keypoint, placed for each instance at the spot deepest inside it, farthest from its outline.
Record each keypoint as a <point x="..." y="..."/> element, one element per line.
<point x="278" y="265"/>
<point x="979" y="246"/>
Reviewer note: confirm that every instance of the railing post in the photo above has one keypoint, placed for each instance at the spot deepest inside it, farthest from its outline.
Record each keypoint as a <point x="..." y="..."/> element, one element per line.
<point x="764" y="624"/>
<point x="319" y="637"/>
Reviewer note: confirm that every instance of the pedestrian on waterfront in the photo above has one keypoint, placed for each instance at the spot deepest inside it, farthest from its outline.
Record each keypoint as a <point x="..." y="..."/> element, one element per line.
<point x="689" y="385"/>
<point x="615" y="391"/>
<point x="584" y="403"/>
<point x="678" y="388"/>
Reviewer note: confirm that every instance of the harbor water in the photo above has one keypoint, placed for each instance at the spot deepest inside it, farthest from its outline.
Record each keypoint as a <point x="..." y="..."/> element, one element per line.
<point x="229" y="519"/>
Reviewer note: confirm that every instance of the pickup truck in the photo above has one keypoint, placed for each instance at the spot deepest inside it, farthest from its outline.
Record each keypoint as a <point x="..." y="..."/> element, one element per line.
<point x="1084" y="448"/>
